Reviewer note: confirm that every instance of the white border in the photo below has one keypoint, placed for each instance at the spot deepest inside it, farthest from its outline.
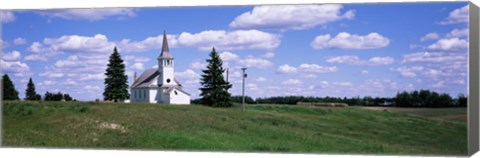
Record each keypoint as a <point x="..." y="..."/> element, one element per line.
<point x="74" y="153"/>
<point x="51" y="4"/>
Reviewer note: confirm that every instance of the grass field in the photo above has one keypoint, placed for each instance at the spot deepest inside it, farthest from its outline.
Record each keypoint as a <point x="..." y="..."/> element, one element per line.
<point x="451" y="114"/>
<point x="199" y="128"/>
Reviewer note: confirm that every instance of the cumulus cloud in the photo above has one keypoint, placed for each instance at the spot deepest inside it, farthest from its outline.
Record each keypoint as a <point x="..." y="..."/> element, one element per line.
<point x="98" y="44"/>
<point x="268" y="55"/>
<point x="255" y="62"/>
<point x="409" y="71"/>
<point x="346" y="40"/>
<point x="226" y="56"/>
<point x="12" y="56"/>
<point x="355" y="60"/>
<point x="140" y="59"/>
<point x="316" y="68"/>
<point x="437" y="57"/>
<point x="430" y="36"/>
<point x="229" y="40"/>
<point x="187" y="74"/>
<point x="15" y="67"/>
<point x="148" y="43"/>
<point x="261" y="79"/>
<point x="458" y="33"/>
<point x="88" y="14"/>
<point x="297" y="17"/>
<point x="137" y="66"/>
<point x="449" y="44"/>
<point x="19" y="41"/>
<point x="292" y="82"/>
<point x="197" y="64"/>
<point x="459" y="15"/>
<point x="52" y="74"/>
<point x="306" y="69"/>
<point x="7" y="16"/>
<point x="285" y="68"/>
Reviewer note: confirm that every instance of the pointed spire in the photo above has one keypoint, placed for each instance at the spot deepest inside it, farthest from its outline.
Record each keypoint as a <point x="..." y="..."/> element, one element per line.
<point x="165" y="51"/>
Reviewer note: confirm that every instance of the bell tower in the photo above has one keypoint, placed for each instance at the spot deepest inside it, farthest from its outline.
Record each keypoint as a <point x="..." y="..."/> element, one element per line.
<point x="165" y="65"/>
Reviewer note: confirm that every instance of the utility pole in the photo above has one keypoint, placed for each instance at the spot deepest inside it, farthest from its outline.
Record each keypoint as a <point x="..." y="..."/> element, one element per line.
<point x="243" y="88"/>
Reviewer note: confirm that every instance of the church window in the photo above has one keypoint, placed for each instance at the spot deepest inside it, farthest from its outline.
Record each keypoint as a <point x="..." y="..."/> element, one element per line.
<point x="134" y="94"/>
<point x="145" y="94"/>
<point x="175" y="92"/>
<point x="168" y="80"/>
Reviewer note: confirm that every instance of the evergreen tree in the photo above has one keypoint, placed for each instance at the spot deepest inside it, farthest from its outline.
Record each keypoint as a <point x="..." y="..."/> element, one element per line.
<point x="116" y="83"/>
<point x="8" y="89"/>
<point x="30" y="93"/>
<point x="214" y="90"/>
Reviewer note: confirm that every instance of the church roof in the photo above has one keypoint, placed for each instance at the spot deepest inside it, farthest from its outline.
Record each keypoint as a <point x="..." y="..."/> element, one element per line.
<point x="147" y="77"/>
<point x="165" y="54"/>
<point x="170" y="89"/>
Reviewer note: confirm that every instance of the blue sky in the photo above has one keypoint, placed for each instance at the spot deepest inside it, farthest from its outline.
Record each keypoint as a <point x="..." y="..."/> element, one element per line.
<point x="312" y="50"/>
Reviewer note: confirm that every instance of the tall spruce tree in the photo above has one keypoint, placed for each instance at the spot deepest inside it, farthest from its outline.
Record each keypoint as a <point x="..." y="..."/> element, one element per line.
<point x="116" y="82"/>
<point x="8" y="89"/>
<point x="30" y="93"/>
<point x="214" y="90"/>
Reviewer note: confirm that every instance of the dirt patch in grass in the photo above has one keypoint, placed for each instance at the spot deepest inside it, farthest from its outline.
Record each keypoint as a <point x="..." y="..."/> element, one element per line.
<point x="106" y="125"/>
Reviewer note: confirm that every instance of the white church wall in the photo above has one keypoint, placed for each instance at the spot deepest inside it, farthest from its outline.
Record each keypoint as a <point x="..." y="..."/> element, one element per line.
<point x="179" y="97"/>
<point x="152" y="97"/>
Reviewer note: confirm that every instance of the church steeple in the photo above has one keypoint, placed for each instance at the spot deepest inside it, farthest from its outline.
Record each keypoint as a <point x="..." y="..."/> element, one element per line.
<point x="165" y="54"/>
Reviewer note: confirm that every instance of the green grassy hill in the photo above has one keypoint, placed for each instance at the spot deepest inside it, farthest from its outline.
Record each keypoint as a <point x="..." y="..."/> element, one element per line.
<point x="200" y="128"/>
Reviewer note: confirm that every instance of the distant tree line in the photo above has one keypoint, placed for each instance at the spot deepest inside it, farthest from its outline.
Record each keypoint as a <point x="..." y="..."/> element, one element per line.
<point x="10" y="93"/>
<point x="57" y="96"/>
<point x="418" y="98"/>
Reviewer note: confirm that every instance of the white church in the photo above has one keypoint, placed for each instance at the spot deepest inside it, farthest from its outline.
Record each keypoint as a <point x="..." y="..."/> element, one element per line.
<point x="158" y="85"/>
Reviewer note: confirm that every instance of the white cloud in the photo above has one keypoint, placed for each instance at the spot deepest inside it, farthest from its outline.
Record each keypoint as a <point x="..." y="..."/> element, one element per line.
<point x="197" y="64"/>
<point x="13" y="56"/>
<point x="316" y="68"/>
<point x="229" y="40"/>
<point x="19" y="41"/>
<point x="91" y="88"/>
<point x="14" y="66"/>
<point x="226" y="56"/>
<point x="52" y="74"/>
<point x="346" y="40"/>
<point x="137" y="66"/>
<point x="88" y="14"/>
<point x="449" y="44"/>
<point x="439" y="84"/>
<point x="96" y="45"/>
<point x="430" y="36"/>
<point x="458" y="33"/>
<point x="306" y="68"/>
<point x="255" y="62"/>
<point x="140" y="59"/>
<point x="364" y="72"/>
<point x="7" y="16"/>
<point x="354" y="60"/>
<point x="285" y="68"/>
<point x="438" y="57"/>
<point x="296" y="17"/>
<point x="148" y="43"/>
<point x="292" y="82"/>
<point x="99" y="76"/>
<point x="261" y="79"/>
<point x="459" y="15"/>
<point x="269" y="55"/>
<point x="409" y="71"/>
<point x="342" y="83"/>
<point x="187" y="74"/>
